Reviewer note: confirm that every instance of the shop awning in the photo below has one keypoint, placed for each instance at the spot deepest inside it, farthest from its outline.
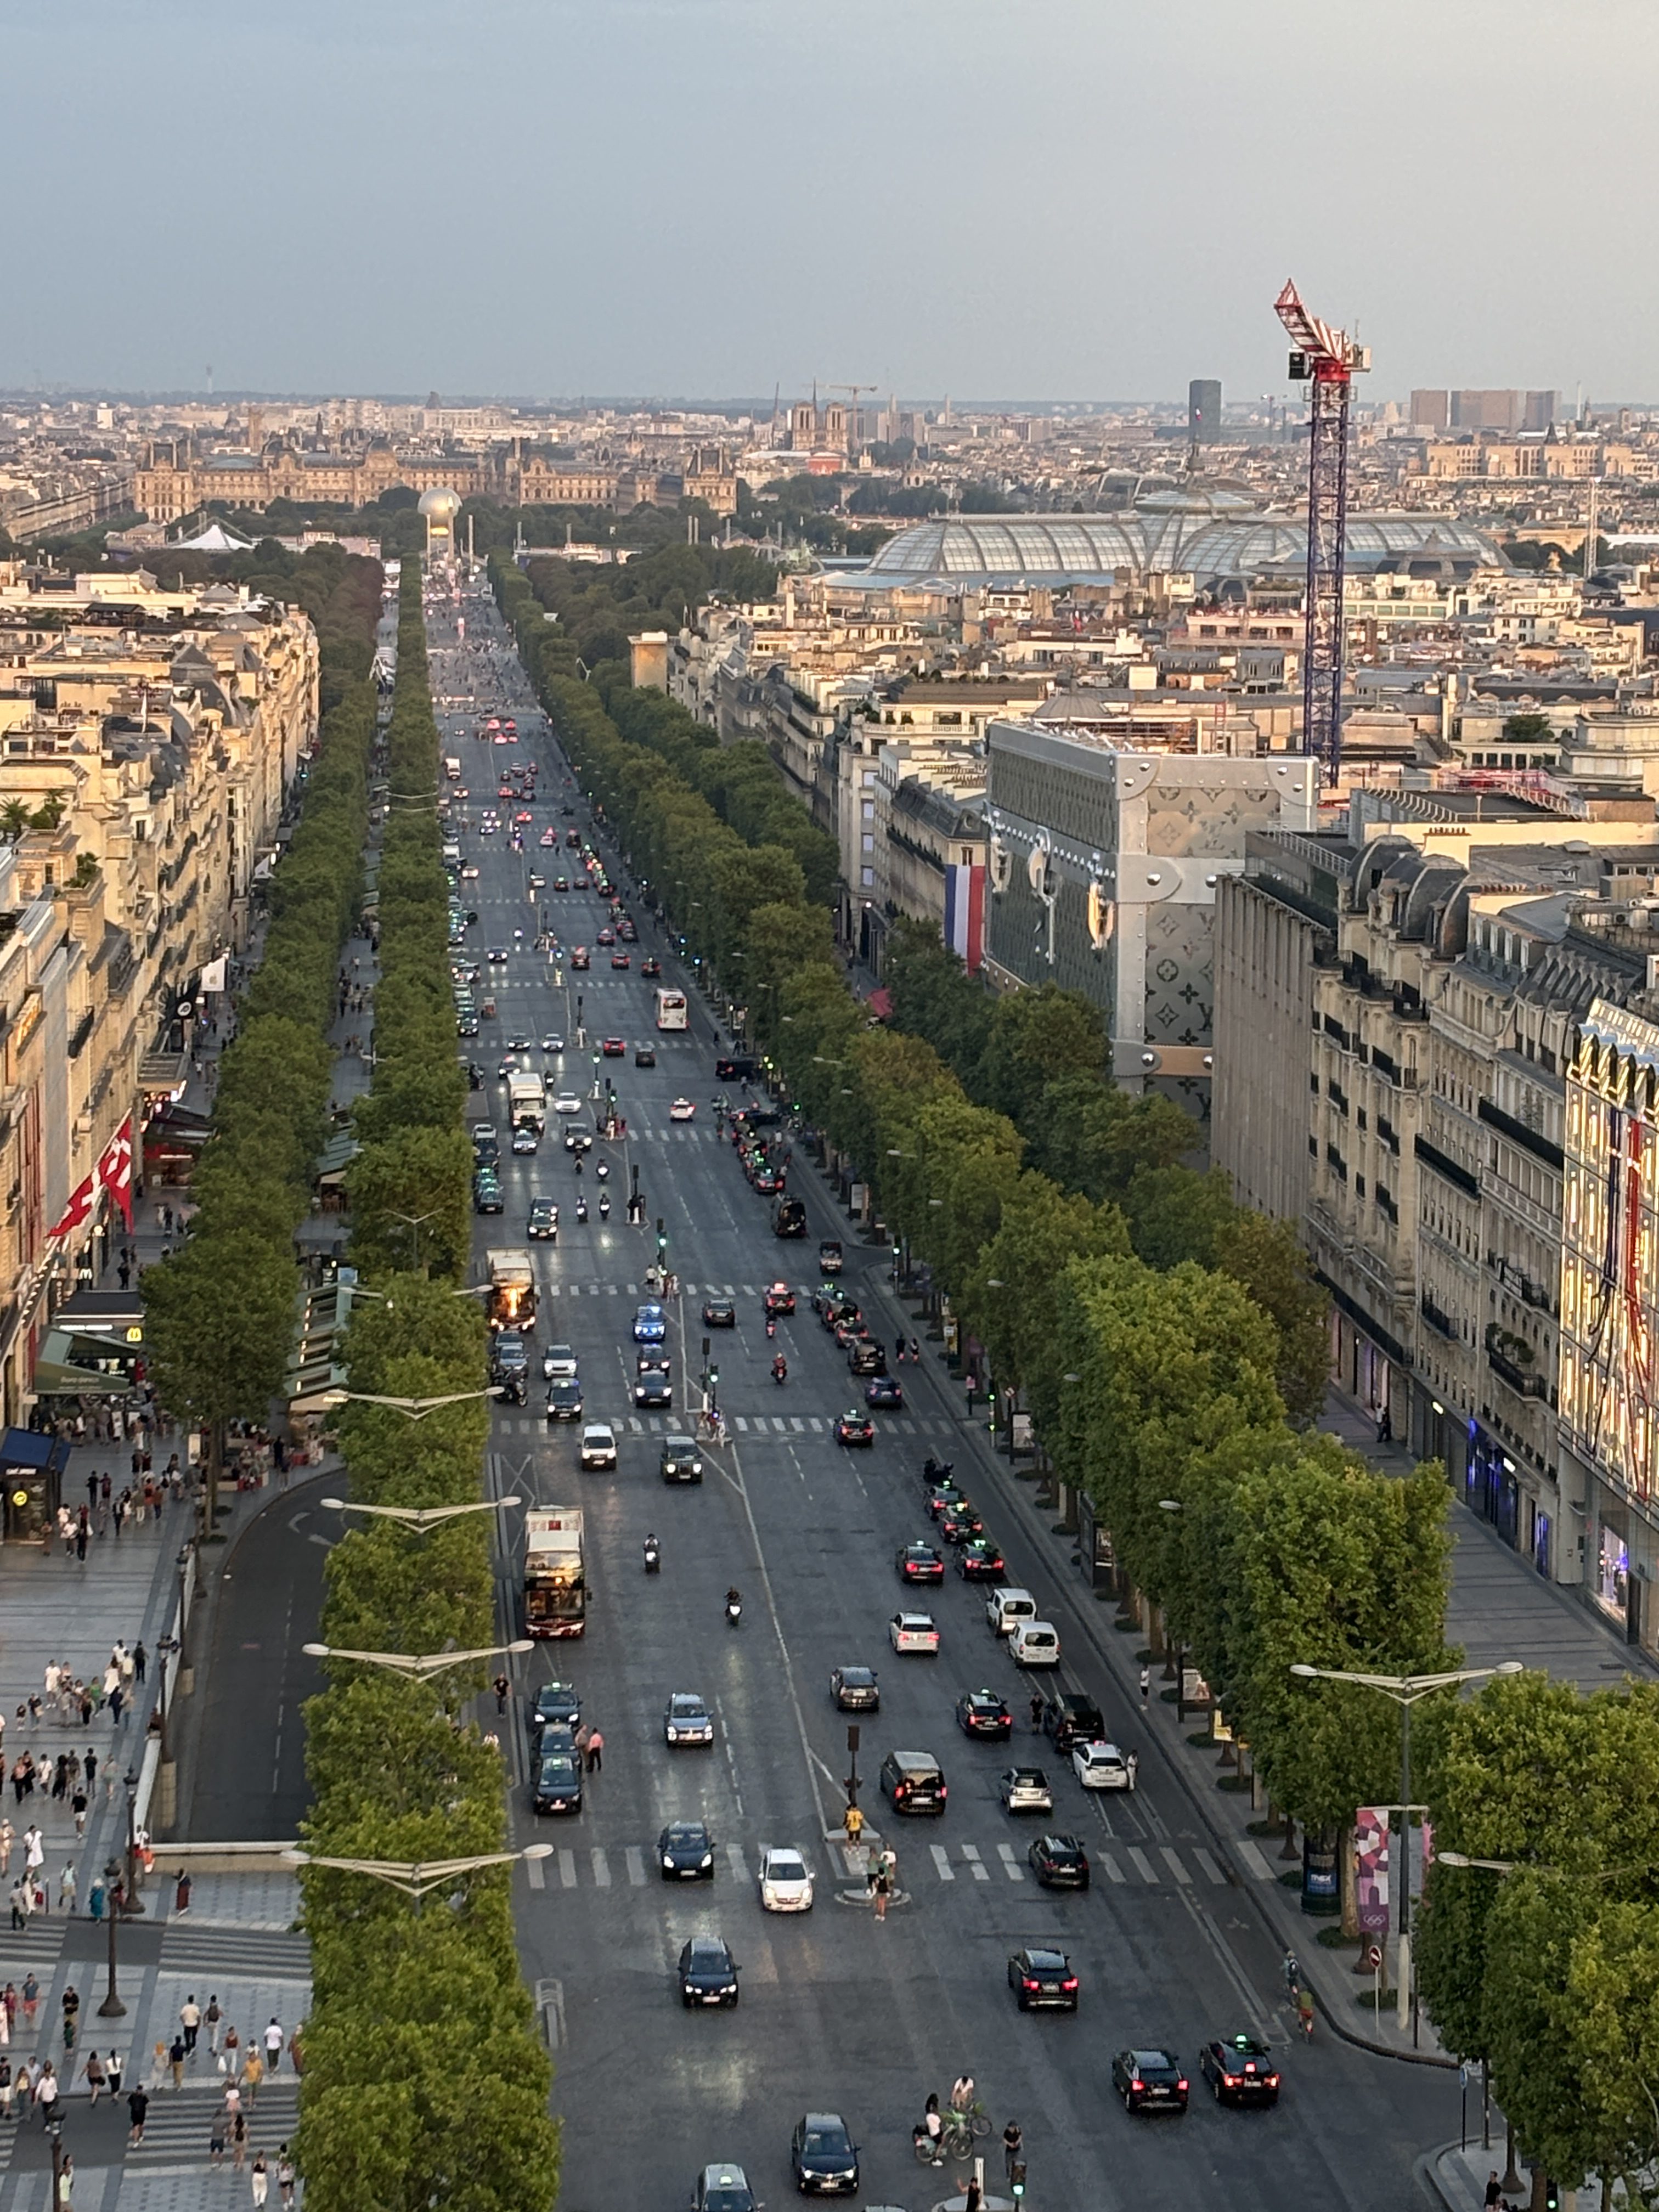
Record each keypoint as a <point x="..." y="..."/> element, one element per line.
<point x="29" y="1448"/>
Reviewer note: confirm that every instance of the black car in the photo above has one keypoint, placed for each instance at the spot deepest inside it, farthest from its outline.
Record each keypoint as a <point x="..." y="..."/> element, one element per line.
<point x="1072" y="1718"/>
<point x="866" y="1356"/>
<point x="486" y="1192"/>
<point x="708" y="1972"/>
<point x="509" y="1357"/>
<point x="557" y="1705"/>
<point x="983" y="1714"/>
<point x="790" y="1219"/>
<point x="739" y="1068"/>
<point x="685" y="1852"/>
<point x="1149" y="2080"/>
<point x="681" y="1460"/>
<point x="645" y="1055"/>
<point x="565" y="1399"/>
<point x="825" y="2156"/>
<point x="1059" y="1862"/>
<point x="919" y="1563"/>
<point x="718" y="1313"/>
<point x="981" y="1561"/>
<point x="855" y="1428"/>
<point x="855" y="1689"/>
<point x="558" y="1784"/>
<point x="654" y="1385"/>
<point x="885" y="1392"/>
<point x="830" y="1255"/>
<point x="1043" y="1978"/>
<point x="543" y="1222"/>
<point x="1240" y="2070"/>
<point x="487" y="1152"/>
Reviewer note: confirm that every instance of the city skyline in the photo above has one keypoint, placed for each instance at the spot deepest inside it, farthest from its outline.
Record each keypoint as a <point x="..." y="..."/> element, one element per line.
<point x="698" y="198"/>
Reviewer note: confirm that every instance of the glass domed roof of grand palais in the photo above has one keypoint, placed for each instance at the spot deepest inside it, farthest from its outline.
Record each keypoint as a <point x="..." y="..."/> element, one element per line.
<point x="1219" y="531"/>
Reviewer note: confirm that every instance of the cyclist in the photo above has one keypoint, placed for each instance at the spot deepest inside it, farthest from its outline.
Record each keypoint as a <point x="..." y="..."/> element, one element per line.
<point x="962" y="2094"/>
<point x="932" y="2130"/>
<point x="1292" y="1970"/>
<point x="1304" y="2013"/>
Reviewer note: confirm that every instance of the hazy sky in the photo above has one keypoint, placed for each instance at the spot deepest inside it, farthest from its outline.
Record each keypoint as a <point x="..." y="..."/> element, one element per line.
<point x="1023" y="199"/>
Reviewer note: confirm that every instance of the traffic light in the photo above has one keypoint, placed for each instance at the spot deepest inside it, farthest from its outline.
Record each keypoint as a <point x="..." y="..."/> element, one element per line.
<point x="662" y="1237"/>
<point x="1017" y="2179"/>
<point x="1552" y="2196"/>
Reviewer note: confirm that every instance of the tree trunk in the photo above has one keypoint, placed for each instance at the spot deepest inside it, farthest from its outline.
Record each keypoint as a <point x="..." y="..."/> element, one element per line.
<point x="215" y="1459"/>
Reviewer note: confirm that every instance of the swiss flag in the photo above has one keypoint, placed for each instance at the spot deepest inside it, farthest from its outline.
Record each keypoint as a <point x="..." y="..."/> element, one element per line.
<point x="80" y="1207"/>
<point x="114" y="1170"/>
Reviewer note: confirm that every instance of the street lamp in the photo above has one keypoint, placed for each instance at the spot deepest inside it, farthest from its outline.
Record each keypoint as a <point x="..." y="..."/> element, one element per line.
<point x="413" y="1223"/>
<point x="416" y="1409"/>
<point x="419" y="1518"/>
<point x="418" y="1878"/>
<point x="130" y="1901"/>
<point x="417" y="1667"/>
<point x="112" y="2008"/>
<point x="1406" y="1690"/>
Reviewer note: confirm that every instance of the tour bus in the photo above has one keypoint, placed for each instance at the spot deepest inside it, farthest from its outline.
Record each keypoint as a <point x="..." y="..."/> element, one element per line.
<point x="670" y="1009"/>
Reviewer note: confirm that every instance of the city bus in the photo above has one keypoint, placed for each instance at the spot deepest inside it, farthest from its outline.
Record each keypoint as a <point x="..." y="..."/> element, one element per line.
<point x="670" y="1009"/>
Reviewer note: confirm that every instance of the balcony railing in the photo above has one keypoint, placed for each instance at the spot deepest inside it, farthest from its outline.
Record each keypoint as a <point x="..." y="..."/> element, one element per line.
<point x="1525" y="1382"/>
<point x="1437" y="1318"/>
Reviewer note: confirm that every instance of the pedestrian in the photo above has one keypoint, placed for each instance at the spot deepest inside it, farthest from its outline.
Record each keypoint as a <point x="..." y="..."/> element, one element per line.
<point x="285" y="2175"/>
<point x="66" y="1887"/>
<point x="884" y="1885"/>
<point x="113" y="2073"/>
<point x="1036" y="1712"/>
<point x="1012" y="2137"/>
<point x="22" y="1904"/>
<point x="71" y="2004"/>
<point x="216" y="2141"/>
<point x="78" y="1807"/>
<point x="34" y="1848"/>
<point x="915" y="1353"/>
<point x="140" y="1661"/>
<point x="31" y="2001"/>
<point x="595" y="1751"/>
<point x="500" y="1686"/>
<point x="181" y="1893"/>
<point x="898" y="1351"/>
<point x="260" y="2179"/>
<point x="237" y="2123"/>
<point x="93" y="2071"/>
<point x="215" y="2024"/>
<point x="8" y="1837"/>
<point x="178" y="2052"/>
<point x="273" y="2042"/>
<point x="89" y="1767"/>
<point x="46" y="2092"/>
<point x="1133" y="1763"/>
<point x="253" y="2072"/>
<point x="137" y="2106"/>
<point x="8" y="2004"/>
<point x="8" y="2087"/>
<point x="1145" y="1684"/>
<point x="973" y="2197"/>
<point x="1494" y="2193"/>
<point x="66" y="2184"/>
<point x="232" y="2051"/>
<point x="189" y="2020"/>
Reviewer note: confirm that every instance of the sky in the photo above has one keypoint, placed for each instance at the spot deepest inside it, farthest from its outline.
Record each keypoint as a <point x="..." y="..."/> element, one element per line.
<point x="1017" y="199"/>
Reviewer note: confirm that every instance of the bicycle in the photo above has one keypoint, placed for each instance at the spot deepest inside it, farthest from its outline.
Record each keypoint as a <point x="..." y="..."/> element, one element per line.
<point x="1304" y="2014"/>
<point x="955" y="2140"/>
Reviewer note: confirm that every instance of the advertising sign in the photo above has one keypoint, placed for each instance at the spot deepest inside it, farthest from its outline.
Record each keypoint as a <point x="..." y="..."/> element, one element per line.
<point x="1371" y="1844"/>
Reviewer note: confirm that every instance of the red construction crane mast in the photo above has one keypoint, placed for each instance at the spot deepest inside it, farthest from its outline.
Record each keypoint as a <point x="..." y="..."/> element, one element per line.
<point x="1329" y="360"/>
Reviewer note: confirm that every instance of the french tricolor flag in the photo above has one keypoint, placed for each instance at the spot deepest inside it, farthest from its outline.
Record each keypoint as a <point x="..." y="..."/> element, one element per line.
<point x="964" y="913"/>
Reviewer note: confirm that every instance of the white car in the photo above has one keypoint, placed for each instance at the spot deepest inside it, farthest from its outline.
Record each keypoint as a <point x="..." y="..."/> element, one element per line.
<point x="688" y="1720"/>
<point x="559" y="1363"/>
<point x="598" y="1445"/>
<point x="1034" y="1643"/>
<point x="470" y="873"/>
<point x="682" y="1110"/>
<point x="566" y="1103"/>
<point x="785" y="1880"/>
<point x="913" y="1631"/>
<point x="552" y="1041"/>
<point x="1100" y="1766"/>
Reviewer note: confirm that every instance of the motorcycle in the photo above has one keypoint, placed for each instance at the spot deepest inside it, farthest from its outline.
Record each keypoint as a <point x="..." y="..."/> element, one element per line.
<point x="603" y="1169"/>
<point x="779" y="1369"/>
<point x="604" y="1206"/>
<point x="937" y="1470"/>
<point x="771" y="1325"/>
<point x="734" y="1607"/>
<point x="581" y="1209"/>
<point x="652" y="1556"/>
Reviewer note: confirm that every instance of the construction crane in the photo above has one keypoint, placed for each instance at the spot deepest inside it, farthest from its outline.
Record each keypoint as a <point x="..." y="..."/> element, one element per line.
<point x="853" y="411"/>
<point x="1328" y="359"/>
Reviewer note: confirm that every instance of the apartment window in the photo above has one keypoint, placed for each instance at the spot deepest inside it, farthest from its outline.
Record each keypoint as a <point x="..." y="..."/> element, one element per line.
<point x="868" y="841"/>
<point x="866" y="879"/>
<point x="869" y="809"/>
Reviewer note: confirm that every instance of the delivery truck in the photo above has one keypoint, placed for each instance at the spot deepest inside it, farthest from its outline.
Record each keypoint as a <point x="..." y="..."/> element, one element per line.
<point x="555" y="1587"/>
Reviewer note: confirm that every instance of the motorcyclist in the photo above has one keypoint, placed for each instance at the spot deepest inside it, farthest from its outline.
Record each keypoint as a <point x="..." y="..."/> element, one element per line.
<point x="771" y="1325"/>
<point x="780" y="1367"/>
<point x="734" y="1599"/>
<point x="605" y="1206"/>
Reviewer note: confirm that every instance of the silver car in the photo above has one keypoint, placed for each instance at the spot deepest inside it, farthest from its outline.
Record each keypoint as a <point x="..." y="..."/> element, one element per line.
<point x="688" y="1720"/>
<point x="1024" y="1789"/>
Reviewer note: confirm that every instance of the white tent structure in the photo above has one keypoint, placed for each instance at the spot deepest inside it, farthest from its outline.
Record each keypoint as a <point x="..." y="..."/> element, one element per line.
<point x="215" y="538"/>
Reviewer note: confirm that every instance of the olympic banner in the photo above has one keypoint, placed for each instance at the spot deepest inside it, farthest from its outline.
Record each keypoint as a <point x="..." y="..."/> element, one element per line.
<point x="964" y="913"/>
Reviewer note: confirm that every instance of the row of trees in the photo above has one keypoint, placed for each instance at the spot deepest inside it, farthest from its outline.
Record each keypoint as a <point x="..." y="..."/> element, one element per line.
<point x="1168" y="1344"/>
<point x="219" y="1312"/>
<point x="425" y="2080"/>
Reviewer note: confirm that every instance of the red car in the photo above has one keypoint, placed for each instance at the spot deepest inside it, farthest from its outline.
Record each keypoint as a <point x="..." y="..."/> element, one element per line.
<point x="578" y="958"/>
<point x="620" y="960"/>
<point x="650" y="967"/>
<point x="607" y="937"/>
<point x="780" y="1299"/>
<point x="614" y="1048"/>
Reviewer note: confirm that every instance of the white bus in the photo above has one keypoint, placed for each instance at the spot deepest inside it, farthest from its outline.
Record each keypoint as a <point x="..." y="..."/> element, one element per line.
<point x="670" y="1009"/>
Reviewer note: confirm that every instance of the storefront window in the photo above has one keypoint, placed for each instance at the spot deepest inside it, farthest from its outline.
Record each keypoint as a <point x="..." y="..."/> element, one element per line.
<point x="1612" y="1572"/>
<point x="1540" y="1544"/>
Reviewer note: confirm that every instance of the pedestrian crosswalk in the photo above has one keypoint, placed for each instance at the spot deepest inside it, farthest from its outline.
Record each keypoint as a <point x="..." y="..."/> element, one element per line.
<point x="273" y="1954"/>
<point x="179" y="2126"/>
<point x="546" y="1259"/>
<point x="1117" y="1865"/>
<point x="754" y="1425"/>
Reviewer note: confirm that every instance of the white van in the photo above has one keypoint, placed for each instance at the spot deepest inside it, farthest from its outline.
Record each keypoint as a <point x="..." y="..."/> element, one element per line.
<point x="1034" y="1643"/>
<point x="1007" y="1605"/>
<point x="452" y="768"/>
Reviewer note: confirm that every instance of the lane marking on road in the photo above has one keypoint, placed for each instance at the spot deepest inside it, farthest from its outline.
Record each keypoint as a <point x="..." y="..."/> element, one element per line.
<point x="536" y="1870"/>
<point x="942" y="1862"/>
<point x="1255" y="1863"/>
<point x="736" y="1861"/>
<point x="1143" y="1865"/>
<point x="635" y="1862"/>
<point x="1014" y="1871"/>
<point x="567" y="1869"/>
<point x="798" y="1425"/>
<point x="1114" y="1871"/>
<point x="980" y="1871"/>
<point x="601" y="1868"/>
<point x="1172" y="1859"/>
<point x="1208" y="1864"/>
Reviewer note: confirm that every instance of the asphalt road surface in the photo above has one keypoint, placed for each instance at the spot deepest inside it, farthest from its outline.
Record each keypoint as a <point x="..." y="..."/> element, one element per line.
<point x="838" y="2013"/>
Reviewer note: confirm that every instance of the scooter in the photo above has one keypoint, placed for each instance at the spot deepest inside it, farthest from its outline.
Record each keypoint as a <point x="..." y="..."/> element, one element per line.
<point x="604" y="1206"/>
<point x="779" y="1369"/>
<point x="652" y="1556"/>
<point x="937" y="1470"/>
<point x="603" y="1169"/>
<point x="581" y="1209"/>
<point x="733" y="1610"/>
